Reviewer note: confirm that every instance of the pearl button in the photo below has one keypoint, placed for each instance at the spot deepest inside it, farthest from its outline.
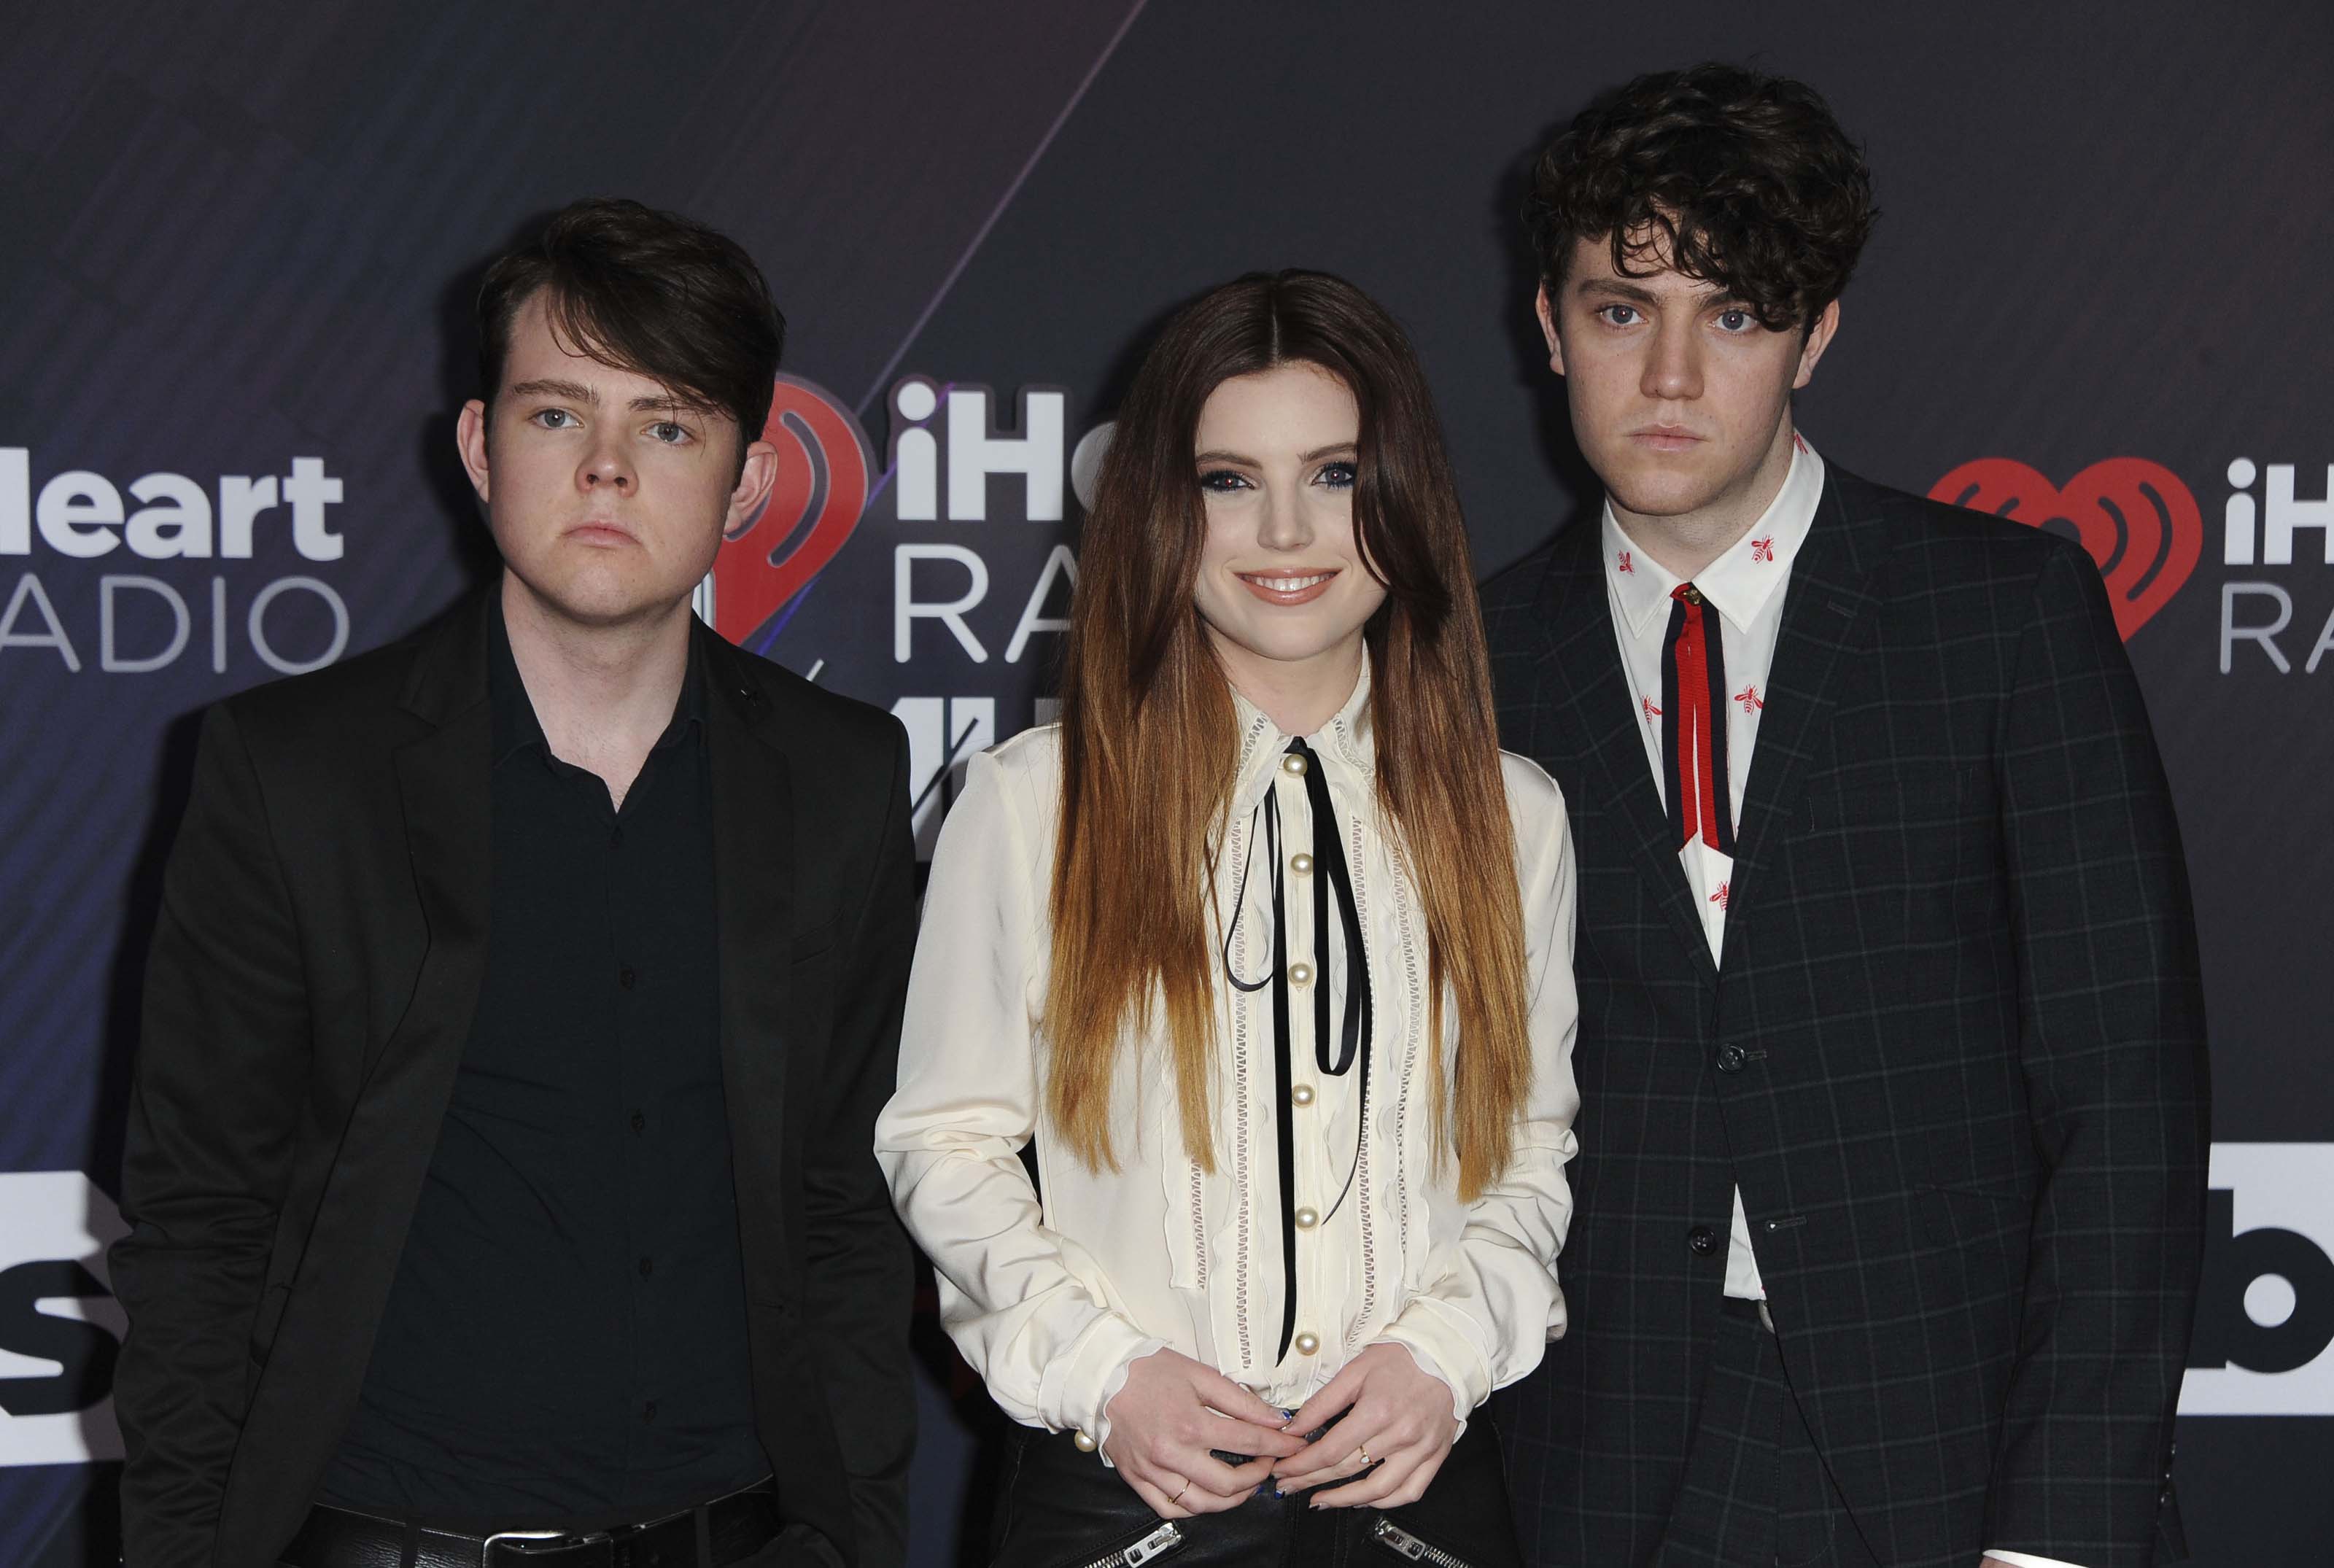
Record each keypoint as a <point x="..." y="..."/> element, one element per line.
<point x="1306" y="1218"/>
<point x="1301" y="1095"/>
<point x="1301" y="865"/>
<point x="1307" y="1343"/>
<point x="1293" y="765"/>
<point x="1085" y="1445"/>
<point x="1300" y="974"/>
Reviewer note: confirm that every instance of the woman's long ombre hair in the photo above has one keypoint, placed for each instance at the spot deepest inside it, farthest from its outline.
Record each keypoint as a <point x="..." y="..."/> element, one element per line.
<point x="1150" y="739"/>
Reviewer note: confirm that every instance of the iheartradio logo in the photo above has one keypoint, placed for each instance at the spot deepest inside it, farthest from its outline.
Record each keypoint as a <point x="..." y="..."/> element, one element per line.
<point x="2135" y="517"/>
<point x="825" y="470"/>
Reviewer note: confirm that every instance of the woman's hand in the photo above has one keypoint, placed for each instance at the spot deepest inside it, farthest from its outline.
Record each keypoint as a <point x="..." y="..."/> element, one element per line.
<point x="1397" y="1417"/>
<point x="1172" y="1410"/>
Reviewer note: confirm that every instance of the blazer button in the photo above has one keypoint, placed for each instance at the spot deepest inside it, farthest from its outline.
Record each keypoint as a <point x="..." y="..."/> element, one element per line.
<point x="1703" y="1240"/>
<point x="1730" y="1058"/>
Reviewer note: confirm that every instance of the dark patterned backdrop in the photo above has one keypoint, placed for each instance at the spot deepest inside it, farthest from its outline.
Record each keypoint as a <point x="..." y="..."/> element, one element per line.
<point x="238" y="245"/>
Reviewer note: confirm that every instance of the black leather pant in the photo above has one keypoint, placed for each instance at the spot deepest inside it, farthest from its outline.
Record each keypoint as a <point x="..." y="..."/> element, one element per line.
<point x="1060" y="1508"/>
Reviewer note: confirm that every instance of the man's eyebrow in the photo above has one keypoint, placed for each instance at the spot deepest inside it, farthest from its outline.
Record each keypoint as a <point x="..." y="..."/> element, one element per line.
<point x="671" y="403"/>
<point x="573" y="391"/>
<point x="1620" y="289"/>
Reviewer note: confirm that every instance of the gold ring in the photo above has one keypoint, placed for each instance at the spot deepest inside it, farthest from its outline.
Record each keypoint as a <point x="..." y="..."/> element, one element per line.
<point x="1363" y="1451"/>
<point x="1177" y="1499"/>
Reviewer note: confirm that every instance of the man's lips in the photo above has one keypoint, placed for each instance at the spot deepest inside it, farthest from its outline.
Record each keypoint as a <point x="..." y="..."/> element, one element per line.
<point x="1665" y="437"/>
<point x="1287" y="587"/>
<point x="601" y="533"/>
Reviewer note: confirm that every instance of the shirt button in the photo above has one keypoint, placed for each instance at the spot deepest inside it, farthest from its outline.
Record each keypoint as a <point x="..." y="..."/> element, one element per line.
<point x="647" y="1266"/>
<point x="1085" y="1445"/>
<point x="1703" y="1240"/>
<point x="1306" y="1218"/>
<point x="625" y="977"/>
<point x="640" y="1122"/>
<point x="1731" y="1058"/>
<point x="1300" y="974"/>
<point x="1307" y="1343"/>
<point x="1301" y="865"/>
<point x="1301" y="1095"/>
<point x="1293" y="765"/>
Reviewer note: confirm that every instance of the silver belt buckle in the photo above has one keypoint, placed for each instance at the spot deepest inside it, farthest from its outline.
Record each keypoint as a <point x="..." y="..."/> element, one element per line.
<point x="486" y="1547"/>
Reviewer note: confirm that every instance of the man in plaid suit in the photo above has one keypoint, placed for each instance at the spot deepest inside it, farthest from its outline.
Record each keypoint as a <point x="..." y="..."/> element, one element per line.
<point x="1892" y="1045"/>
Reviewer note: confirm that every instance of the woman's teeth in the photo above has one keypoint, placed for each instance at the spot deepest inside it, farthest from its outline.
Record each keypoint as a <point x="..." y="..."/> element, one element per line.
<point x="1287" y="584"/>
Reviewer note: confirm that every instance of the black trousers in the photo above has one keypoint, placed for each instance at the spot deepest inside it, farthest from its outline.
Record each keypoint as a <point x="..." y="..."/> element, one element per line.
<point x="1756" y="1494"/>
<point x="1060" y="1508"/>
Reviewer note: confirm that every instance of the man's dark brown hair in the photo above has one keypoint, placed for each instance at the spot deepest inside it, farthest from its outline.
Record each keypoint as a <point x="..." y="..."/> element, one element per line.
<point x="1737" y="178"/>
<point x="648" y="291"/>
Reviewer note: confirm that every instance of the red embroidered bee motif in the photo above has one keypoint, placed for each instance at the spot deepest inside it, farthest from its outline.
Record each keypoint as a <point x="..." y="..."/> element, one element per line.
<point x="1719" y="898"/>
<point x="1763" y="549"/>
<point x="1749" y="698"/>
<point x="1627" y="565"/>
<point x="1651" y="711"/>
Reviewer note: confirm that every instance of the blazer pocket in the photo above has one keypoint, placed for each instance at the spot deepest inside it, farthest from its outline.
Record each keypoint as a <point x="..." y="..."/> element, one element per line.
<point x="810" y="944"/>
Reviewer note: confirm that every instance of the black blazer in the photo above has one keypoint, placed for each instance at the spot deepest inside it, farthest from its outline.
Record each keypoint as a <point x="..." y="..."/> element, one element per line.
<point x="321" y="942"/>
<point x="1954" y="1056"/>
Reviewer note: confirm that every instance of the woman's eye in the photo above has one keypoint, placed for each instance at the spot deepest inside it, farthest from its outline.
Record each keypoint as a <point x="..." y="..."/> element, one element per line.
<point x="1223" y="481"/>
<point x="666" y="431"/>
<point x="1613" y="314"/>
<point x="1337" y="476"/>
<point x="555" y="420"/>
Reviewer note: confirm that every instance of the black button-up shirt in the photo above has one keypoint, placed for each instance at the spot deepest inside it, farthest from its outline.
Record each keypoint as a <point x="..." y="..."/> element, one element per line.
<point x="565" y="1341"/>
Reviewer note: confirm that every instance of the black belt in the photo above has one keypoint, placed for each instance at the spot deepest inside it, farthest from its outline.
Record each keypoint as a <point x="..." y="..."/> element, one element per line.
<point x="735" y="1527"/>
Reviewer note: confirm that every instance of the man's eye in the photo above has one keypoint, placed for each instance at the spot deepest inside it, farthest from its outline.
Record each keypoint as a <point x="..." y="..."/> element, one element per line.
<point x="555" y="420"/>
<point x="1618" y="315"/>
<point x="1223" y="481"/>
<point x="1337" y="476"/>
<point x="670" y="434"/>
<point x="1736" y="321"/>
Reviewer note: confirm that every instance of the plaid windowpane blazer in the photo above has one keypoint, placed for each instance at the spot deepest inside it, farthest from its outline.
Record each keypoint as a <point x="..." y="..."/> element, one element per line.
<point x="1954" y="1056"/>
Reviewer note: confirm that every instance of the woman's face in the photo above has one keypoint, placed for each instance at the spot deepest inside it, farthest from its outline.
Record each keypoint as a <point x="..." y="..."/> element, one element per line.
<point x="1282" y="585"/>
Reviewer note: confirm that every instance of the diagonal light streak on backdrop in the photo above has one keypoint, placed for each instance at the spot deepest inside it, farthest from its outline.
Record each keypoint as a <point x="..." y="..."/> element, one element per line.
<point x="875" y="389"/>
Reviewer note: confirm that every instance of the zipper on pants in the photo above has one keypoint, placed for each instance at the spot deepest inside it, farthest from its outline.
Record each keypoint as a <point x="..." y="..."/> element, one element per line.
<point x="1150" y="1549"/>
<point x="1402" y="1544"/>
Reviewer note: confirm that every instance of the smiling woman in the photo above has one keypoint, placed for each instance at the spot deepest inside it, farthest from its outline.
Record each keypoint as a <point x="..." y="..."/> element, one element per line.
<point x="1299" y="1075"/>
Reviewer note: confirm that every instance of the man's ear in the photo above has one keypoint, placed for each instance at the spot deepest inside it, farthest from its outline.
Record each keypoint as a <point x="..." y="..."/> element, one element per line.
<point x="752" y="491"/>
<point x="1819" y="339"/>
<point x="1546" y="311"/>
<point x="470" y="441"/>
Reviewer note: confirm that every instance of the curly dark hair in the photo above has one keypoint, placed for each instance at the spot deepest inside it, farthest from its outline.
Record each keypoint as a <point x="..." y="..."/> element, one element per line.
<point x="1737" y="178"/>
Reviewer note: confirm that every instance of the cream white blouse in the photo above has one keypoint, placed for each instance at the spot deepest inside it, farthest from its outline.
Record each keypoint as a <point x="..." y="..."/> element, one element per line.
<point x="1051" y="1298"/>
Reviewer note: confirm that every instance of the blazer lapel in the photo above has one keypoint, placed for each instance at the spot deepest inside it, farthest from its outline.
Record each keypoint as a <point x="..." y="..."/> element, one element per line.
<point x="1826" y="612"/>
<point x="442" y="779"/>
<point x="1599" y="716"/>
<point x="753" y="879"/>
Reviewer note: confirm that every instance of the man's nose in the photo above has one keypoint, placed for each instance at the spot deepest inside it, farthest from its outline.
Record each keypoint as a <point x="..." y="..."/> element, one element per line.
<point x="1674" y="369"/>
<point x="606" y="463"/>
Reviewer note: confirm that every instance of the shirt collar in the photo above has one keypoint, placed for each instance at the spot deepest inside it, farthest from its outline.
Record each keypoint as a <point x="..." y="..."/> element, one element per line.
<point x="515" y="727"/>
<point x="1347" y="738"/>
<point x="1740" y="582"/>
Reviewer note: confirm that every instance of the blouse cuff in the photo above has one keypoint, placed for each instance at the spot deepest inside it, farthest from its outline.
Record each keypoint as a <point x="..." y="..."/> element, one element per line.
<point x="1096" y="1370"/>
<point x="1444" y="1348"/>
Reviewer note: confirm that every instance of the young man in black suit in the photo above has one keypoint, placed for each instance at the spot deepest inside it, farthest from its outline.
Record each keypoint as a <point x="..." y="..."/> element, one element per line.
<point x="1892" y="1048"/>
<point x="499" y="1169"/>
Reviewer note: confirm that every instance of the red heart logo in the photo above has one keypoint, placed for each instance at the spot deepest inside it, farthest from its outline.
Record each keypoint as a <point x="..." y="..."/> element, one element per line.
<point x="2135" y="517"/>
<point x="824" y="465"/>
